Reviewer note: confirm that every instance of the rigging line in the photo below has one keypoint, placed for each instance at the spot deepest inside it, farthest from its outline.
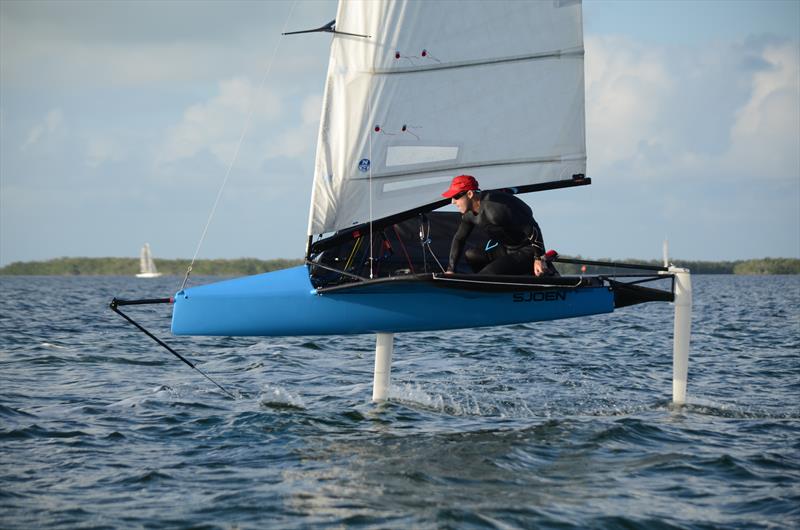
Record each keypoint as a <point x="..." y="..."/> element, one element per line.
<point x="378" y="259"/>
<point x="437" y="259"/>
<point x="369" y="96"/>
<point x="423" y="237"/>
<point x="332" y="269"/>
<point x="232" y="162"/>
<point x="115" y="303"/>
<point x="356" y="246"/>
<point x="402" y="245"/>
<point x="372" y="259"/>
<point x="426" y="244"/>
<point x="430" y="249"/>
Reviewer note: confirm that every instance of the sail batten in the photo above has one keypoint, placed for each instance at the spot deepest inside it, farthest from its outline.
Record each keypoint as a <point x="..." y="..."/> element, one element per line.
<point x="491" y="88"/>
<point x="475" y="165"/>
<point x="557" y="54"/>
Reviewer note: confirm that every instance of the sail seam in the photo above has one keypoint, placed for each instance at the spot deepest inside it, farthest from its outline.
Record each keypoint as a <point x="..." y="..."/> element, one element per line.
<point x="490" y="163"/>
<point x="557" y="54"/>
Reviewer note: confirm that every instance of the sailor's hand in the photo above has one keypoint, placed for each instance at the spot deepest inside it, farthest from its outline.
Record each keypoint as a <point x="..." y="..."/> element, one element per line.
<point x="538" y="267"/>
<point x="449" y="271"/>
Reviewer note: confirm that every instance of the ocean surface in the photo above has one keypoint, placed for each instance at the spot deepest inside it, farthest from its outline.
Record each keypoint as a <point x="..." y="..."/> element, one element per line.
<point x="565" y="424"/>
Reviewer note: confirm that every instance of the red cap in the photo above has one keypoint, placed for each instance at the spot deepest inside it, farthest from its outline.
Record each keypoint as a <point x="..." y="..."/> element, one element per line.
<point x="459" y="184"/>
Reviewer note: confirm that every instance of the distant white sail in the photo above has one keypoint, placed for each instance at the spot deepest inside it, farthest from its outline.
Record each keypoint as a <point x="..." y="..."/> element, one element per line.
<point x="147" y="267"/>
<point x="493" y="89"/>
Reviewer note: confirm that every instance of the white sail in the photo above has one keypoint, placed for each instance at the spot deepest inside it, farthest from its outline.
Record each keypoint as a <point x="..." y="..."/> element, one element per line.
<point x="493" y="89"/>
<point x="147" y="267"/>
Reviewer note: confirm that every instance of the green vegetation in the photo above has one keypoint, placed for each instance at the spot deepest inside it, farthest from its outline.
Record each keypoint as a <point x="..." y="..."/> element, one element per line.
<point x="130" y="266"/>
<point x="246" y="266"/>
<point x="768" y="266"/>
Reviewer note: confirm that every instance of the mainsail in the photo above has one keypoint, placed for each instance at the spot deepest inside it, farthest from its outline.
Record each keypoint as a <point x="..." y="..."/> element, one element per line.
<point x="434" y="89"/>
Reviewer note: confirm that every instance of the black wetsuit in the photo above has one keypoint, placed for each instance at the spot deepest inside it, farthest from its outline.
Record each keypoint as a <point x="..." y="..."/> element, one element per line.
<point x="515" y="239"/>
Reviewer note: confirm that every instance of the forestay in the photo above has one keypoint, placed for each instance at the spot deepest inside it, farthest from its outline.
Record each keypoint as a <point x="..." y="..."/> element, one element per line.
<point x="493" y="89"/>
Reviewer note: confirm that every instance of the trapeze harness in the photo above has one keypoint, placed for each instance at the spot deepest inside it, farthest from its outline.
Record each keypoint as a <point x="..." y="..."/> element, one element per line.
<point x="515" y="239"/>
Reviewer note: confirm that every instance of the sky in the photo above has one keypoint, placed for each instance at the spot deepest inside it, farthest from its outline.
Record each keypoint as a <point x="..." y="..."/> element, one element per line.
<point x="119" y="119"/>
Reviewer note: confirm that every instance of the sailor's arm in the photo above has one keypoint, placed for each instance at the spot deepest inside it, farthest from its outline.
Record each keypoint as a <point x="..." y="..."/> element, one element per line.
<point x="457" y="246"/>
<point x="537" y="242"/>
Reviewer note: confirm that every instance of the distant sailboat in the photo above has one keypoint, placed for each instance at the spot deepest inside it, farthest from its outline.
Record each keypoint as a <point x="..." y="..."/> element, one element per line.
<point x="147" y="268"/>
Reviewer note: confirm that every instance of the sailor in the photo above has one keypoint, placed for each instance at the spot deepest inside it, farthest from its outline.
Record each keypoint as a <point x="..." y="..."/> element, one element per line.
<point x="515" y="241"/>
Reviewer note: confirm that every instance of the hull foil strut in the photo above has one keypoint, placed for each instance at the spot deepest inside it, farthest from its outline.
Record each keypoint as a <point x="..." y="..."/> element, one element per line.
<point x="682" y="333"/>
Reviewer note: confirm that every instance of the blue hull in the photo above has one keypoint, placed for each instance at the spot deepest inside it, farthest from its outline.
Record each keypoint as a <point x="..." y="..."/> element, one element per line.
<point x="285" y="303"/>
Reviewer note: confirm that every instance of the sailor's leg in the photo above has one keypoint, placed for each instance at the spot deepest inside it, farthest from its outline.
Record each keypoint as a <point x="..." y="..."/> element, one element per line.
<point x="518" y="262"/>
<point x="477" y="259"/>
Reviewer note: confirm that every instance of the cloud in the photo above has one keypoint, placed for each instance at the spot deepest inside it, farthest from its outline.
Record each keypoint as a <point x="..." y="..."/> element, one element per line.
<point x="766" y="135"/>
<point x="665" y="113"/>
<point x="300" y="140"/>
<point x="311" y="110"/>
<point x="625" y="81"/>
<point x="146" y="45"/>
<point x="51" y="122"/>
<point x="217" y="124"/>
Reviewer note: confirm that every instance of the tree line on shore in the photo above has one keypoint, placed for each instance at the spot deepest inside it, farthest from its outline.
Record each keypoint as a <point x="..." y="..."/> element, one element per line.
<point x="130" y="266"/>
<point x="247" y="266"/>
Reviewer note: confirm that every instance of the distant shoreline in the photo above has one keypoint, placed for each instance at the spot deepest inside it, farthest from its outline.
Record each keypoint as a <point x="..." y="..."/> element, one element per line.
<point x="130" y="266"/>
<point x="248" y="266"/>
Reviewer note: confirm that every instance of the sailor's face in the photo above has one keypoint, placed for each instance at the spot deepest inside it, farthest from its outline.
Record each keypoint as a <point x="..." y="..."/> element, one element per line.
<point x="461" y="202"/>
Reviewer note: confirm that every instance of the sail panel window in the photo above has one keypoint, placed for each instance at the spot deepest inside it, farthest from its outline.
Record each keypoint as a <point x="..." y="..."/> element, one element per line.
<point x="403" y="155"/>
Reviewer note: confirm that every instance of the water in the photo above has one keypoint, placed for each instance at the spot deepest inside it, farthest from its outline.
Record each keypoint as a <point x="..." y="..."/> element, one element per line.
<point x="552" y="425"/>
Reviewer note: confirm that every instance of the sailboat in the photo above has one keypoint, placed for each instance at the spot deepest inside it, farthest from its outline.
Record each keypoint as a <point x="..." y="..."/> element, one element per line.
<point x="147" y="268"/>
<point x="416" y="93"/>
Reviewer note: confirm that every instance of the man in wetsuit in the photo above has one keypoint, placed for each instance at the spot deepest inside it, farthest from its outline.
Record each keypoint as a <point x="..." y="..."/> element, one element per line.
<point x="515" y="241"/>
